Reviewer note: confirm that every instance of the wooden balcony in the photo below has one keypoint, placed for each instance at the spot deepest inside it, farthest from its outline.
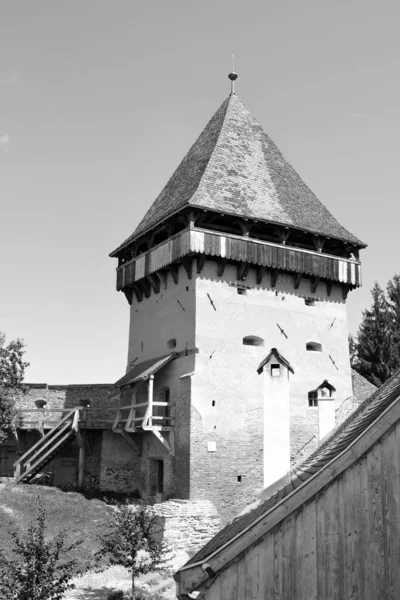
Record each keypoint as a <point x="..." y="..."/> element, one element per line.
<point x="242" y="250"/>
<point x="43" y="419"/>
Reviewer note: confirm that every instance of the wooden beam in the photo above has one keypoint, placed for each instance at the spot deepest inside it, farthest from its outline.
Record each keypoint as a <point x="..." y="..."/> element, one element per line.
<point x="164" y="277"/>
<point x="297" y="280"/>
<point x="128" y="295"/>
<point x="242" y="270"/>
<point x="318" y="242"/>
<point x="221" y="267"/>
<point x="191" y="218"/>
<point x="187" y="263"/>
<point x="81" y="461"/>
<point x="245" y="226"/>
<point x="345" y="291"/>
<point x="192" y="577"/>
<point x="259" y="274"/>
<point x="274" y="277"/>
<point x="154" y="282"/>
<point x="138" y="292"/>
<point x="329" y="285"/>
<point x="175" y="273"/>
<point x="200" y="260"/>
<point x="283" y="235"/>
<point x="136" y="446"/>
<point x="146" y="287"/>
<point x="314" y="281"/>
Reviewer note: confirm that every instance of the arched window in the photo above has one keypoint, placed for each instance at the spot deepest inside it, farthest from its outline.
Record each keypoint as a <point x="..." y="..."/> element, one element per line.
<point x="253" y="340"/>
<point x="171" y="343"/>
<point x="313" y="347"/>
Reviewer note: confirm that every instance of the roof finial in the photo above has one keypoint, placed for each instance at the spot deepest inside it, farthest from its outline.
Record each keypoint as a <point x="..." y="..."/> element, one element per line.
<point x="232" y="76"/>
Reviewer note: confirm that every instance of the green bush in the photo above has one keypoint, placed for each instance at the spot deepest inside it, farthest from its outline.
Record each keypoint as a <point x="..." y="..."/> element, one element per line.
<point x="39" y="569"/>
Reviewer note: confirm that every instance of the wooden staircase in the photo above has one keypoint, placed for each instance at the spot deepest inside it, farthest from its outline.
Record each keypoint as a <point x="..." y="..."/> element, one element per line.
<point x="37" y="457"/>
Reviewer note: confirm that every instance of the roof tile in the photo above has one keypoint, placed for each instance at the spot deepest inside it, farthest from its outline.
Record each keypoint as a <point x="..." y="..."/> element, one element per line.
<point x="235" y="168"/>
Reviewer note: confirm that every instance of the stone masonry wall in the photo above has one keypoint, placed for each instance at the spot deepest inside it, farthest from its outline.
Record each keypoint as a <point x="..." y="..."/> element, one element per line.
<point x="102" y="397"/>
<point x="188" y="524"/>
<point x="232" y="475"/>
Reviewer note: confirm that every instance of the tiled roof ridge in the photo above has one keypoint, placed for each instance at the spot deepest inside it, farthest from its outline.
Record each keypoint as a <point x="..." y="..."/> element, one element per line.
<point x="357" y="422"/>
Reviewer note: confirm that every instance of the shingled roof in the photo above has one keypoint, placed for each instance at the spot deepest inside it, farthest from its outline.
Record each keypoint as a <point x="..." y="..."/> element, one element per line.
<point x="368" y="412"/>
<point x="235" y="168"/>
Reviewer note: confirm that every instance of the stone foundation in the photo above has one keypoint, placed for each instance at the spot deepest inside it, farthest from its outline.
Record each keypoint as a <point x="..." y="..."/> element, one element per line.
<point x="188" y="524"/>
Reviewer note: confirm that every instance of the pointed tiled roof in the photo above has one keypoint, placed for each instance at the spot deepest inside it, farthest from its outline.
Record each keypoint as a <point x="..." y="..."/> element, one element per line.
<point x="235" y="168"/>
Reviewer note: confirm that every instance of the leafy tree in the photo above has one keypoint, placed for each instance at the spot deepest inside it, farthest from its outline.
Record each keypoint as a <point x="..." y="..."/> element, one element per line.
<point x="373" y="355"/>
<point x="393" y="295"/>
<point x="352" y="350"/>
<point x="133" y="541"/>
<point x="12" y="370"/>
<point x="38" y="571"/>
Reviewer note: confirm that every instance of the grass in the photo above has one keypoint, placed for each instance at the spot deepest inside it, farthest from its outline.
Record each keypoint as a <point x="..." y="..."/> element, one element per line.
<point x="70" y="511"/>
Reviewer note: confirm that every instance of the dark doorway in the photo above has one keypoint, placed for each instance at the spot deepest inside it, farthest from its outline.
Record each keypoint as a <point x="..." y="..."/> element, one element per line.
<point x="156" y="476"/>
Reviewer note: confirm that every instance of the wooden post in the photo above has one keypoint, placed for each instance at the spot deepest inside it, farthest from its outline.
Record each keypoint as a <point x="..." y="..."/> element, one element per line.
<point x="81" y="463"/>
<point x="150" y="397"/>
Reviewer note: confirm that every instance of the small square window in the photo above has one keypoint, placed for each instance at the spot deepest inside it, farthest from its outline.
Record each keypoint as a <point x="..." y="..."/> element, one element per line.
<point x="313" y="399"/>
<point x="241" y="291"/>
<point x="275" y="370"/>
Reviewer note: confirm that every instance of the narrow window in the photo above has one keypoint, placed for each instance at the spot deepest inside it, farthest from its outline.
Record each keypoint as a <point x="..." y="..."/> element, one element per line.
<point x="313" y="399"/>
<point x="213" y="403"/>
<point x="171" y="343"/>
<point x="253" y="340"/>
<point x="275" y="370"/>
<point x="313" y="347"/>
<point x="239" y="478"/>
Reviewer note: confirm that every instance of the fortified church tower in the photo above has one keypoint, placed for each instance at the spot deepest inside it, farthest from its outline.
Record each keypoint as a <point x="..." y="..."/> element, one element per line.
<point x="237" y="279"/>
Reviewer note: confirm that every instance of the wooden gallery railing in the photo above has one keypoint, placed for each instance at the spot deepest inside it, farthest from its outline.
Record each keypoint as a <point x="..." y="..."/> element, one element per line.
<point x="239" y="249"/>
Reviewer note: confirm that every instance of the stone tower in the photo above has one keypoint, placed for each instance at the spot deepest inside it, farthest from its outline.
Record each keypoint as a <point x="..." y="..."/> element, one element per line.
<point x="237" y="278"/>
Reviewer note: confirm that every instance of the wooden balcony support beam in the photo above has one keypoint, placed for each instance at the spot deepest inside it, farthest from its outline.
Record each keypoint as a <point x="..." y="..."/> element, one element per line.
<point x="242" y="271"/>
<point x="297" y="279"/>
<point x="154" y="282"/>
<point x="200" y="260"/>
<point x="314" y="281"/>
<point x="259" y="275"/>
<point x="329" y="285"/>
<point x="128" y="295"/>
<point x="188" y="264"/>
<point x="221" y="267"/>
<point x="318" y="242"/>
<point x="274" y="277"/>
<point x="146" y="287"/>
<point x="164" y="278"/>
<point x="138" y="292"/>
<point x="175" y="273"/>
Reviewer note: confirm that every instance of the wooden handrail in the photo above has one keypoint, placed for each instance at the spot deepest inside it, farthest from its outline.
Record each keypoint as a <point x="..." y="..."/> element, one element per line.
<point x="48" y="435"/>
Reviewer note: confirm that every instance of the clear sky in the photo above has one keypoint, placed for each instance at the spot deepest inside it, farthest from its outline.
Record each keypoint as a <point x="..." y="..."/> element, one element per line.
<point x="99" y="102"/>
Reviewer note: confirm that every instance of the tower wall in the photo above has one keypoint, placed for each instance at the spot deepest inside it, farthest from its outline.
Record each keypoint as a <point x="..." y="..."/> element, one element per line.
<point x="162" y="317"/>
<point x="226" y="374"/>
